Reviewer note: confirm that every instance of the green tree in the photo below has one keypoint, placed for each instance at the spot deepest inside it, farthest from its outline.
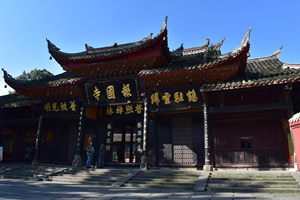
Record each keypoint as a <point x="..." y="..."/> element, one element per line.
<point x="35" y="74"/>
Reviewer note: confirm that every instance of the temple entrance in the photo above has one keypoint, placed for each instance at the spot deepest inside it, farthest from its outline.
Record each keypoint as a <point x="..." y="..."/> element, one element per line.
<point x="124" y="142"/>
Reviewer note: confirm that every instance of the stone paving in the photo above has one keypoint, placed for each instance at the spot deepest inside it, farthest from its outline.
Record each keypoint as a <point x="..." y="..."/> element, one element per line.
<point x="21" y="189"/>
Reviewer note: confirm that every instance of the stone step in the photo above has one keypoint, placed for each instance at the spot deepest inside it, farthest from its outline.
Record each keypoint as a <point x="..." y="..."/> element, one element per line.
<point x="71" y="178"/>
<point x="234" y="181"/>
<point x="252" y="182"/>
<point x="159" y="179"/>
<point x="253" y="185"/>
<point x="163" y="186"/>
<point x="161" y="182"/>
<point x="252" y="190"/>
<point x="82" y="181"/>
<point x="252" y="179"/>
<point x="182" y="180"/>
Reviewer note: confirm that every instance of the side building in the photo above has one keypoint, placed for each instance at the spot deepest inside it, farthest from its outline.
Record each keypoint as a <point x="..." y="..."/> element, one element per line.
<point x="190" y="107"/>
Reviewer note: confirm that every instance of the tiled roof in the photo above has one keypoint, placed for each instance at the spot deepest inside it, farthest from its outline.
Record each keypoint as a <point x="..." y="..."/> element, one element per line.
<point x="107" y="52"/>
<point x="61" y="79"/>
<point x="16" y="100"/>
<point x="259" y="72"/>
<point x="200" y="58"/>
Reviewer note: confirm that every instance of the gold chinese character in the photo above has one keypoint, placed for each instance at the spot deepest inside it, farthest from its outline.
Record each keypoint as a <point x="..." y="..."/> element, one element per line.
<point x="155" y="98"/>
<point x="139" y="140"/>
<point x="110" y="91"/>
<point x="178" y="97"/>
<point x="139" y="125"/>
<point x="47" y="107"/>
<point x="109" y="111"/>
<point x="139" y="108"/>
<point x="96" y="93"/>
<point x="108" y="133"/>
<point x="126" y="90"/>
<point x="129" y="109"/>
<point x="108" y="126"/>
<point x="55" y="107"/>
<point x="119" y="110"/>
<point x="107" y="147"/>
<point x="73" y="105"/>
<point x="63" y="106"/>
<point x="139" y="147"/>
<point x="192" y="96"/>
<point x="166" y="98"/>
<point x="108" y="141"/>
<point x="139" y="133"/>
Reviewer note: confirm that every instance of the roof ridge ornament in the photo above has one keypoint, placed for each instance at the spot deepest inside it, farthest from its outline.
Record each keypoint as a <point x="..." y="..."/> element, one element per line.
<point x="177" y="52"/>
<point x="147" y="38"/>
<point x="87" y="47"/>
<point x="164" y="25"/>
<point x="52" y="46"/>
<point x="246" y="39"/>
<point x="277" y="53"/>
<point x="207" y="42"/>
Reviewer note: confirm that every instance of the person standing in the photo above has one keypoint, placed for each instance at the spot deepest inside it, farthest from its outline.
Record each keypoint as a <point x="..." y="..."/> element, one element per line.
<point x="101" y="155"/>
<point x="89" y="152"/>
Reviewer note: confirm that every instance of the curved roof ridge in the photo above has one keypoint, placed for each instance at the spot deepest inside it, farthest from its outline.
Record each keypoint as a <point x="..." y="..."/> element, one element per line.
<point x="244" y="43"/>
<point x="276" y="54"/>
<point x="203" y="48"/>
<point x="64" y="78"/>
<point x="114" y="48"/>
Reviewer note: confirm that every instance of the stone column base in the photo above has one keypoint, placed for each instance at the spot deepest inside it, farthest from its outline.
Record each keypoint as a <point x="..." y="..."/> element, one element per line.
<point x="35" y="162"/>
<point x="207" y="168"/>
<point x="77" y="162"/>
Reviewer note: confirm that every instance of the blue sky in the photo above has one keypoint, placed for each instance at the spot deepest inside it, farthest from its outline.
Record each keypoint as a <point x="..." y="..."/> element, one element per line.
<point x="25" y="25"/>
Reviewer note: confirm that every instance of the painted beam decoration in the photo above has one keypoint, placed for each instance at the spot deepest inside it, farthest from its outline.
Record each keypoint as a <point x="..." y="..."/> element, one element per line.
<point x="112" y="92"/>
<point x="64" y="106"/>
<point x="183" y="97"/>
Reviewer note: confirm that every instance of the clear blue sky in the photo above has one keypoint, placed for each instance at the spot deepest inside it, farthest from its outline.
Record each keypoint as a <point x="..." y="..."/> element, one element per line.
<point x="70" y="24"/>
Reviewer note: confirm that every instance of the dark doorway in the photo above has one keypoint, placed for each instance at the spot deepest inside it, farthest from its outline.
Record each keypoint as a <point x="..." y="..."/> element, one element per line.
<point x="124" y="142"/>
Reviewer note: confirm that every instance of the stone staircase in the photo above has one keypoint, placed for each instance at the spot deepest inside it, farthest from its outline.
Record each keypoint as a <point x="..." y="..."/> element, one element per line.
<point x="90" y="176"/>
<point x="252" y="182"/>
<point x="164" y="179"/>
<point x="28" y="172"/>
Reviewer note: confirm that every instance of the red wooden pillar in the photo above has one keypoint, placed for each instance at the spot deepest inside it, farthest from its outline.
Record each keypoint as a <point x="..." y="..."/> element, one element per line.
<point x="295" y="129"/>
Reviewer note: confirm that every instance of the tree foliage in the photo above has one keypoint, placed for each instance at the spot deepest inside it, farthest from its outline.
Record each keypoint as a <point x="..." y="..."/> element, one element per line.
<point x="35" y="74"/>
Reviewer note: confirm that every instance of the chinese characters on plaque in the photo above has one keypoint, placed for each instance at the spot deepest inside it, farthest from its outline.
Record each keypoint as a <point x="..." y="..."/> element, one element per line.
<point x="179" y="97"/>
<point x="60" y="106"/>
<point x="108" y="136"/>
<point x="139" y="136"/>
<point x="124" y="110"/>
<point x="112" y="92"/>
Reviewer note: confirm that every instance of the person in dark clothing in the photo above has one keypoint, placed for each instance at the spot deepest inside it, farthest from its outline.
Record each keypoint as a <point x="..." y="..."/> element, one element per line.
<point x="120" y="154"/>
<point x="27" y="154"/>
<point x="89" y="152"/>
<point x="101" y="155"/>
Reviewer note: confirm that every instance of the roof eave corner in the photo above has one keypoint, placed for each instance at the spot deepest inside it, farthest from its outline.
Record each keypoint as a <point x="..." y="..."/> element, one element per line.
<point x="7" y="76"/>
<point x="51" y="46"/>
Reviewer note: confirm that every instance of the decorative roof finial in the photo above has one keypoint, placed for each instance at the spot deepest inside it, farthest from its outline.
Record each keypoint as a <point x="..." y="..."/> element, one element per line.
<point x="164" y="25"/>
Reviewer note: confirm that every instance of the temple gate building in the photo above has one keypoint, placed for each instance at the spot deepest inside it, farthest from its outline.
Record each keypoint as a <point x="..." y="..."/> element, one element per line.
<point x="190" y="107"/>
